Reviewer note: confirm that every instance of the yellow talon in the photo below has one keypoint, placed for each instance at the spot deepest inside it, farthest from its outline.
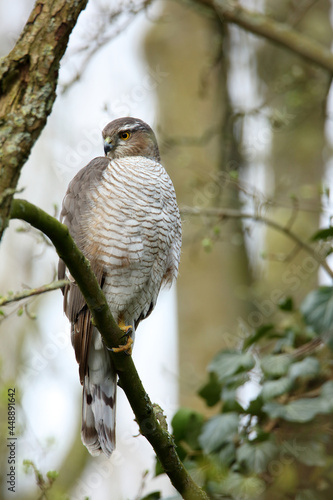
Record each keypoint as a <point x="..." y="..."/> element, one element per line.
<point x="127" y="329"/>
<point x="126" y="347"/>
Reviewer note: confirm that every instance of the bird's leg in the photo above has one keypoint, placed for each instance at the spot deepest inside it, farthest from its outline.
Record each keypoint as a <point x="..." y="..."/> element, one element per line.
<point x="127" y="329"/>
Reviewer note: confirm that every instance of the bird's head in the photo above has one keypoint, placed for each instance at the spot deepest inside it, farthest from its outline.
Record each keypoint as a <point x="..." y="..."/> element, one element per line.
<point x="130" y="137"/>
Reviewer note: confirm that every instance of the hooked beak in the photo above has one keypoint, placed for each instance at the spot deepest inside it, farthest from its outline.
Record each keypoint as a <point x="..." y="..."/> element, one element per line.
<point x="108" y="145"/>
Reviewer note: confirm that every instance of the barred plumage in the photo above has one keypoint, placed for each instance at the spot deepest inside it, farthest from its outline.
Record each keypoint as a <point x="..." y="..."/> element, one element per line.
<point x="122" y="212"/>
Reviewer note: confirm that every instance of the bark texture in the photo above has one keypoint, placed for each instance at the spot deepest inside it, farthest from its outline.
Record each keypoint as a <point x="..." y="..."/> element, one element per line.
<point x="28" y="81"/>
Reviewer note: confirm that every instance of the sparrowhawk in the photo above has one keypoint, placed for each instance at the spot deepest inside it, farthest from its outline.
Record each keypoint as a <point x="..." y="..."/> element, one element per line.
<point x="122" y="212"/>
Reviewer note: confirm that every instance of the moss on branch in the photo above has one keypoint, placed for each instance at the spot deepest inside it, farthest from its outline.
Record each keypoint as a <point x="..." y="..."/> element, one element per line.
<point x="80" y="269"/>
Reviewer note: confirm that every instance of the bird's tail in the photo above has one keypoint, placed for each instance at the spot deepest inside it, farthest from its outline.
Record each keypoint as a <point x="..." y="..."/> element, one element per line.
<point x="98" y="431"/>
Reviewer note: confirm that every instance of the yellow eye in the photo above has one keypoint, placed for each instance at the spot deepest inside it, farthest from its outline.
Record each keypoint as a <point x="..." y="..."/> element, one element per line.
<point x="124" y="135"/>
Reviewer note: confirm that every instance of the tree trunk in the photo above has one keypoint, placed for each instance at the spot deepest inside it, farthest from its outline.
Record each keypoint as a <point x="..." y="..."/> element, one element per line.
<point x="28" y="81"/>
<point x="196" y="143"/>
<point x="296" y="92"/>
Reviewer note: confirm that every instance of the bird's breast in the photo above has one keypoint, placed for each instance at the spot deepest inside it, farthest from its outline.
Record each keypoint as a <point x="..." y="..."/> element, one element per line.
<point x="127" y="219"/>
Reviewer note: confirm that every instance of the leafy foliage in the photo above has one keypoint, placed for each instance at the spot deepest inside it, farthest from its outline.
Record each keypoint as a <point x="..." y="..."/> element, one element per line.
<point x="317" y="310"/>
<point x="278" y="444"/>
<point x="229" y="362"/>
<point x="323" y="234"/>
<point x="187" y="426"/>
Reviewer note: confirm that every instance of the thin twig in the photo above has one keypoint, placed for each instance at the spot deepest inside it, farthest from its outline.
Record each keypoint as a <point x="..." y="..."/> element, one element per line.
<point x="294" y="212"/>
<point x="104" y="35"/>
<point x="298" y="15"/>
<point x="24" y="294"/>
<point x="308" y="348"/>
<point x="277" y="32"/>
<point x="229" y="213"/>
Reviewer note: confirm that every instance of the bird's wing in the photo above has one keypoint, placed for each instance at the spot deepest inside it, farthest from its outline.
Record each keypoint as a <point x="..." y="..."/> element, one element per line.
<point x="75" y="215"/>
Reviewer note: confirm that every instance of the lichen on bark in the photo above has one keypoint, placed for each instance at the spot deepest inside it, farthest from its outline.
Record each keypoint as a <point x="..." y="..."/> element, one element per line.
<point x="28" y="80"/>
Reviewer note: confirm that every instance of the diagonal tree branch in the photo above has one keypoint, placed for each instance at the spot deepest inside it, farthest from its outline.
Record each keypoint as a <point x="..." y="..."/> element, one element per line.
<point x="28" y="81"/>
<point x="80" y="269"/>
<point x="277" y="32"/>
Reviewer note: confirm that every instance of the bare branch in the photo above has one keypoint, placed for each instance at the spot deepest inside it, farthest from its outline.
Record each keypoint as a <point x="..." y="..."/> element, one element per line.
<point x="109" y="24"/>
<point x="229" y="213"/>
<point x="25" y="294"/>
<point x="272" y="30"/>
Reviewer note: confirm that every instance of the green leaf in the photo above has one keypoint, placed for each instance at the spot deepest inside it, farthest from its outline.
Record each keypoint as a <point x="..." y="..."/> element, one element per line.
<point x="275" y="365"/>
<point x="307" y="368"/>
<point x="229" y="398"/>
<point x="27" y="465"/>
<point x="155" y="495"/>
<point x="207" y="244"/>
<point x="283" y="343"/>
<point x="274" y="388"/>
<point x="52" y="475"/>
<point x="327" y="393"/>
<point x="232" y="405"/>
<point x="229" y="362"/>
<point x="262" y="331"/>
<point x="317" y="310"/>
<point x="218" y="431"/>
<point x="313" y="454"/>
<point x="256" y="457"/>
<point x="227" y="455"/>
<point x="323" y="234"/>
<point x="238" y="486"/>
<point x="255" y="406"/>
<point x="211" y="392"/>
<point x="158" y="467"/>
<point x="302" y="410"/>
<point x="187" y="425"/>
<point x="235" y="381"/>
<point x="286" y="304"/>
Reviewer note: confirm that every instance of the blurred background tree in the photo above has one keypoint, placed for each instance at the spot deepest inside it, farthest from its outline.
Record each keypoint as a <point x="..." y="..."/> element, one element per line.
<point x="244" y="125"/>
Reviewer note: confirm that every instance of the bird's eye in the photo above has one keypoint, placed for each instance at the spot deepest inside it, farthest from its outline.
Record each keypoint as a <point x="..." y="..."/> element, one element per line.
<point x="124" y="136"/>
